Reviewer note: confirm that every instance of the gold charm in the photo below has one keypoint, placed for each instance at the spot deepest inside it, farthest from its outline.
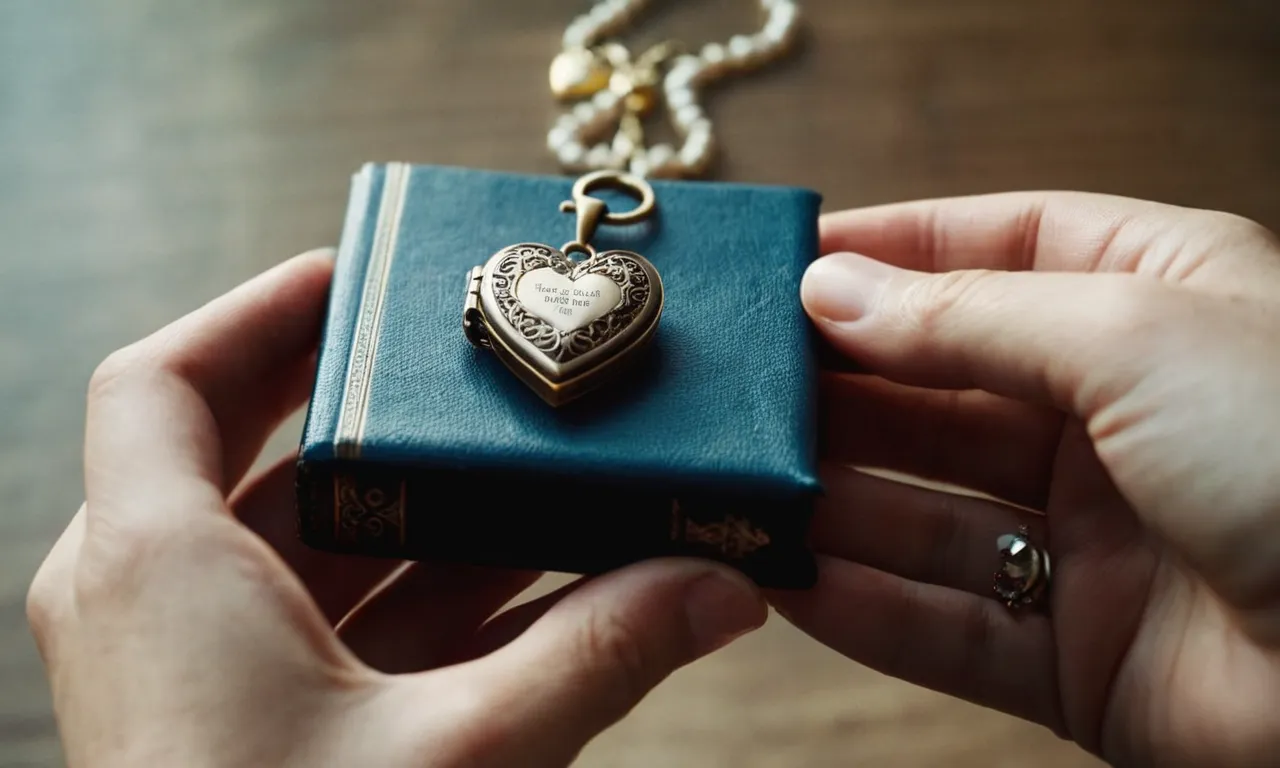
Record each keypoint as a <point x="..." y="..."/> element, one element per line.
<point x="564" y="326"/>
<point x="577" y="73"/>
<point x="616" y="91"/>
<point x="637" y="82"/>
<point x="606" y="79"/>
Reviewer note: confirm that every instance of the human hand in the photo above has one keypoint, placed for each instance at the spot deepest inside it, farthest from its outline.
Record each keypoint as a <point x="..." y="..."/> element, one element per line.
<point x="1109" y="371"/>
<point x="182" y="624"/>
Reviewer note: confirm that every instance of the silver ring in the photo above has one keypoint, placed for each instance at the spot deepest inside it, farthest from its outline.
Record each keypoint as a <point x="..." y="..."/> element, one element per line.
<point x="1023" y="577"/>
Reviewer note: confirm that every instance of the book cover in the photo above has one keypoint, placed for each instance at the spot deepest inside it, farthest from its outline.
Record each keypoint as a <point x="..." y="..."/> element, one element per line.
<point x="418" y="445"/>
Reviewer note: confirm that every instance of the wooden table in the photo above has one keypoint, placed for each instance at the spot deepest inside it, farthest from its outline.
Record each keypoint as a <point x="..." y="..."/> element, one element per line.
<point x="154" y="153"/>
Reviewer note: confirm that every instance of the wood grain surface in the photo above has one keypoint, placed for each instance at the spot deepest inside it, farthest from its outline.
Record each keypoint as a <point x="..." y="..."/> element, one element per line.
<point x="154" y="153"/>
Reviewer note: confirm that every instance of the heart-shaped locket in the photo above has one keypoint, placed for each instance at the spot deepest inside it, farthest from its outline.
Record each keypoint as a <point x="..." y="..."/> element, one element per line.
<point x="564" y="327"/>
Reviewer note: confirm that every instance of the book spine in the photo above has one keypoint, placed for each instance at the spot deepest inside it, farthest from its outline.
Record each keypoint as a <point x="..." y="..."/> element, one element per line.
<point x="545" y="524"/>
<point x="333" y="364"/>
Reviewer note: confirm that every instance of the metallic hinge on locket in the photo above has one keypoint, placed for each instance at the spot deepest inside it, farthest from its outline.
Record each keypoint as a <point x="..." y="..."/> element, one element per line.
<point x="472" y="317"/>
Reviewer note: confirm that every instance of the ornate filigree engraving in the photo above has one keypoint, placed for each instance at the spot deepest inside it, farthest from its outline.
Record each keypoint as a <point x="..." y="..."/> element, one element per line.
<point x="365" y="513"/>
<point x="564" y="346"/>
<point x="733" y="537"/>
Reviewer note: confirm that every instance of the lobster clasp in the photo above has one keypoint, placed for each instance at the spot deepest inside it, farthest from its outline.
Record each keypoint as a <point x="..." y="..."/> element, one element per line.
<point x="592" y="211"/>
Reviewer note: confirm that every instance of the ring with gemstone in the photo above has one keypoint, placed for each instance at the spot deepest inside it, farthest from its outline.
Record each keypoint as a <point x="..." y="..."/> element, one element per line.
<point x="1023" y="578"/>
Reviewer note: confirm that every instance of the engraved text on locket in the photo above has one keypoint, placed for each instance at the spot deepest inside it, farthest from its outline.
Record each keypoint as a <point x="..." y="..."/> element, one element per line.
<point x="564" y="327"/>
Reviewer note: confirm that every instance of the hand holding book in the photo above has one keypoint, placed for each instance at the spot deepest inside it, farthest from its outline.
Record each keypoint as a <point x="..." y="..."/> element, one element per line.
<point x="184" y="623"/>
<point x="1101" y="375"/>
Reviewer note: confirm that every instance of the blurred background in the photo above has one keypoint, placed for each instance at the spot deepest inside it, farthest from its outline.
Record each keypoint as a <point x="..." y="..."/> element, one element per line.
<point x="155" y="153"/>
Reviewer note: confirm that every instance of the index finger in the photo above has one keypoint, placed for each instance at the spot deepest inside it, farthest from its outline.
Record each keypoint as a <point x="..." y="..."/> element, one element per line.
<point x="1046" y="231"/>
<point x="176" y="419"/>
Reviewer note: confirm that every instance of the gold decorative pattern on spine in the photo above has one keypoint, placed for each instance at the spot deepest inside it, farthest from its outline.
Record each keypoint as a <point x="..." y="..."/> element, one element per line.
<point x="365" y="513"/>
<point x="364" y="345"/>
<point x="733" y="537"/>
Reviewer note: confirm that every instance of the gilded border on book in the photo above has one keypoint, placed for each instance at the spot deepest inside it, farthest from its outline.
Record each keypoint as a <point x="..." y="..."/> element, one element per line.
<point x="733" y="537"/>
<point x="364" y="344"/>
<point x="365" y="513"/>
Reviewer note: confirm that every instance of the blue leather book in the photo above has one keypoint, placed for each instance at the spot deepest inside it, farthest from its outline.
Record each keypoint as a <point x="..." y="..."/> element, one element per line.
<point x="419" y="445"/>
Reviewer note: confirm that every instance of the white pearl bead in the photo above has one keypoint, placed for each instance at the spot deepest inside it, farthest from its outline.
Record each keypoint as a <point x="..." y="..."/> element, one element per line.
<point x="639" y="166"/>
<point x="687" y="116"/>
<point x="670" y="167"/>
<point x="605" y="100"/>
<point x="660" y="155"/>
<point x="576" y="34"/>
<point x="679" y="98"/>
<point x="568" y="122"/>
<point x="777" y="37"/>
<point x="623" y="146"/>
<point x="713" y="53"/>
<point x="683" y="72"/>
<point x="558" y="137"/>
<point x="766" y="46"/>
<point x="700" y="127"/>
<point x="599" y="156"/>
<point x="693" y="156"/>
<point x="601" y="15"/>
<point x="779" y="25"/>
<point x="571" y="153"/>
<point x="783" y="15"/>
<point x="741" y="48"/>
<point x="697" y="142"/>
<point x="691" y="60"/>
<point x="585" y="113"/>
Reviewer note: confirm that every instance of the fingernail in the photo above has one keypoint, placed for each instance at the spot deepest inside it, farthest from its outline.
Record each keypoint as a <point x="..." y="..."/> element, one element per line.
<point x="843" y="287"/>
<point x="722" y="607"/>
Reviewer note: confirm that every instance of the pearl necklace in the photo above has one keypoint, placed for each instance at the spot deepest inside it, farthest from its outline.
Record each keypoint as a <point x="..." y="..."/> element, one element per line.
<point x="613" y="89"/>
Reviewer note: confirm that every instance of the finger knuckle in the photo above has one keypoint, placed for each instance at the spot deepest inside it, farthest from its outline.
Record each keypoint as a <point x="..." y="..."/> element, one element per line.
<point x="932" y="303"/>
<point x="943" y="540"/>
<point x="114" y="369"/>
<point x="1135" y="310"/>
<point x="43" y="606"/>
<point x="126" y="555"/>
<point x="108" y="575"/>
<point x="610" y="644"/>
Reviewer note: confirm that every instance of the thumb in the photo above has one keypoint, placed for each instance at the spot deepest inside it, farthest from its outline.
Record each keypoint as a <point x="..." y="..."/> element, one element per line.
<point x="600" y="650"/>
<point x="1035" y="336"/>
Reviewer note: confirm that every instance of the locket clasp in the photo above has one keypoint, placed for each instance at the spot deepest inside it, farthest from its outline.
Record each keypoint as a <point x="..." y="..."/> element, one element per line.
<point x="592" y="211"/>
